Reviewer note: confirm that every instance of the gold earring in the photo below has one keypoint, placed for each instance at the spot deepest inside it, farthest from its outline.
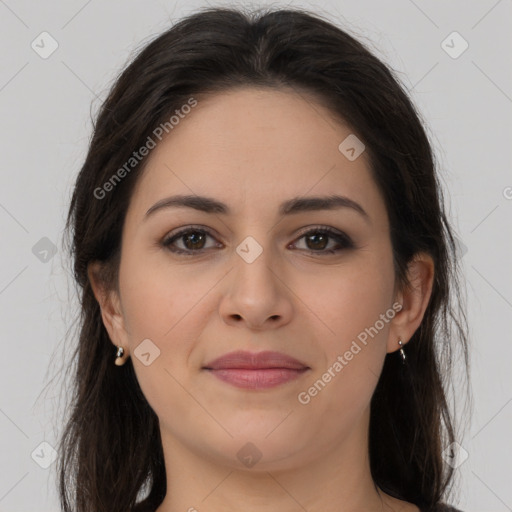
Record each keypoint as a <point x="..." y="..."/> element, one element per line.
<point x="119" y="356"/>
<point x="402" y="353"/>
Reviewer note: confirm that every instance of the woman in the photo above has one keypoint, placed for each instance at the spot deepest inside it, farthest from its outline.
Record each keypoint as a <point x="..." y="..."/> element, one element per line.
<point x="265" y="269"/>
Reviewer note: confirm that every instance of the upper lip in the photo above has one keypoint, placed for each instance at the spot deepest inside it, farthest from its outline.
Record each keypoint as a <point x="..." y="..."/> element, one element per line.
<point x="254" y="360"/>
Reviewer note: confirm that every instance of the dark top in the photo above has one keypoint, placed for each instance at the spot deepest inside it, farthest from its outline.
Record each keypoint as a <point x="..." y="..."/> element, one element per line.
<point x="442" y="507"/>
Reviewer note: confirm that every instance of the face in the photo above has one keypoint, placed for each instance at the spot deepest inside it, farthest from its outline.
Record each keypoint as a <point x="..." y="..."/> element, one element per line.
<point x="314" y="283"/>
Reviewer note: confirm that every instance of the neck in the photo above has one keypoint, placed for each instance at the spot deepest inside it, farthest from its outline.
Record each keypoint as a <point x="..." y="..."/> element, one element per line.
<point x="330" y="479"/>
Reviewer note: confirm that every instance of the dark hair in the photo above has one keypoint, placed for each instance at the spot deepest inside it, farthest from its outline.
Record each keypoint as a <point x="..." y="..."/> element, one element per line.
<point x="110" y="453"/>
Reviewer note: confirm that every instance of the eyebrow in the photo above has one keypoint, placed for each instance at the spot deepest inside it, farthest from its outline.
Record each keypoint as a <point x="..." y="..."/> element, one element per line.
<point x="291" y="206"/>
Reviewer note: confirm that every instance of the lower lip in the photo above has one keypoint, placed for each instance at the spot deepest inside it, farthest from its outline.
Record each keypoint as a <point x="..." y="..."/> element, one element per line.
<point x="257" y="379"/>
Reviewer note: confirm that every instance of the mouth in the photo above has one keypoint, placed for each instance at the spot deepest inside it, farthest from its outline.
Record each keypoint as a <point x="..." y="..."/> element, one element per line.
<point x="255" y="371"/>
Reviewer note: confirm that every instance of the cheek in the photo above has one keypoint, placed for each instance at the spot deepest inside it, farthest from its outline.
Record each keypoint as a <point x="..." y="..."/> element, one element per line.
<point x="350" y="301"/>
<point x="354" y="306"/>
<point x="156" y="299"/>
<point x="166" y="307"/>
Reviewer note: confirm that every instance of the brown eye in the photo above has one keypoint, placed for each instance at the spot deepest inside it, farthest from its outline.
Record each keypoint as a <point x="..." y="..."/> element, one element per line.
<point x="191" y="240"/>
<point x="317" y="241"/>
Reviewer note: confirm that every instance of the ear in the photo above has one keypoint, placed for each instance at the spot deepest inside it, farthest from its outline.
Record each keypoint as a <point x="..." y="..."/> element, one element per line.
<point x="414" y="300"/>
<point x="110" y="305"/>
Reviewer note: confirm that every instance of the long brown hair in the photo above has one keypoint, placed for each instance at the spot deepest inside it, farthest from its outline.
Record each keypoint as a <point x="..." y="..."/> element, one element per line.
<point x="110" y="452"/>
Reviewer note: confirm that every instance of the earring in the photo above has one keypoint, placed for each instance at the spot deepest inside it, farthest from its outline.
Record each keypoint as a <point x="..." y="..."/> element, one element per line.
<point x="119" y="356"/>
<point x="402" y="353"/>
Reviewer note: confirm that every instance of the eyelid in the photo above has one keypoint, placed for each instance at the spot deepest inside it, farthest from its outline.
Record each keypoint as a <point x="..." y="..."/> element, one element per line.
<point x="321" y="227"/>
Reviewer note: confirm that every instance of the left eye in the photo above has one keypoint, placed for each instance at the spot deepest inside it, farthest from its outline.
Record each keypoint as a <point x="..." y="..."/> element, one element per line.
<point x="193" y="240"/>
<point x="317" y="240"/>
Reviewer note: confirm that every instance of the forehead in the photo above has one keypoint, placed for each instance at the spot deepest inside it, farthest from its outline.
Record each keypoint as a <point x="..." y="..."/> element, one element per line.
<point x="256" y="146"/>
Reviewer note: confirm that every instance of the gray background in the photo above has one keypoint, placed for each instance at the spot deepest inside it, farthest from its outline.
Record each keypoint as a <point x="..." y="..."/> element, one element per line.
<point x="45" y="107"/>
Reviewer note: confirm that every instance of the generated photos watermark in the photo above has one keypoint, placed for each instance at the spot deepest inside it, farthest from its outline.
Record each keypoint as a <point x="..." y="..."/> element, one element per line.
<point x="143" y="151"/>
<point x="304" y="397"/>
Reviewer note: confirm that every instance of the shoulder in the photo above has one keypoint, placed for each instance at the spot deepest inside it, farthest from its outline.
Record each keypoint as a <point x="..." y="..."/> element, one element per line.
<point x="442" y="507"/>
<point x="399" y="505"/>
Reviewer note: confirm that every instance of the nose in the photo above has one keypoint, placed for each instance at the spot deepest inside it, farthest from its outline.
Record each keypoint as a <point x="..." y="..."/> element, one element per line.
<point x="256" y="294"/>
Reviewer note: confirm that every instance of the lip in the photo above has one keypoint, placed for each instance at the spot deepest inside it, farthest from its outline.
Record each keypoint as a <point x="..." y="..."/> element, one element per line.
<point x="261" y="370"/>
<point x="243" y="360"/>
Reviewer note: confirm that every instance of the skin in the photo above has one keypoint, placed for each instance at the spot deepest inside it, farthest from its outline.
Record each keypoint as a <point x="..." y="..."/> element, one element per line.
<point x="236" y="147"/>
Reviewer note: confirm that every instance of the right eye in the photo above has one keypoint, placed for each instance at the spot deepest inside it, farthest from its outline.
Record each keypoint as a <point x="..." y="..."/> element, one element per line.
<point x="192" y="239"/>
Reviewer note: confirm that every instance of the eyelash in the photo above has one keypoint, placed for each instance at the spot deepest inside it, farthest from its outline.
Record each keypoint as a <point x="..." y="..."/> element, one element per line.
<point x="344" y="240"/>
